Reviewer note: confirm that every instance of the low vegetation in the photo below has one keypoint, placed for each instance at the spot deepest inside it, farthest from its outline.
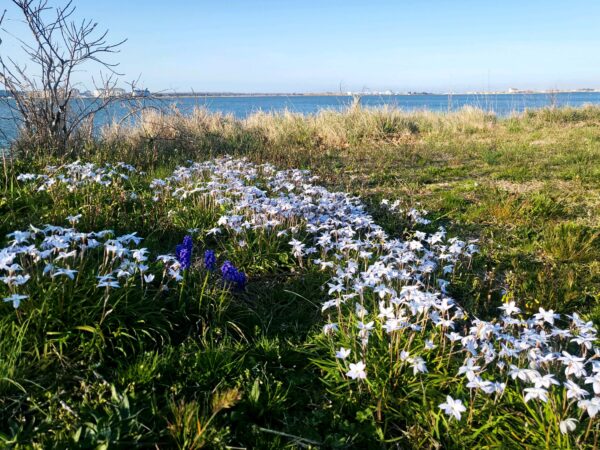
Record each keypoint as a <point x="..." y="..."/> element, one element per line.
<point x="524" y="186"/>
<point x="158" y="297"/>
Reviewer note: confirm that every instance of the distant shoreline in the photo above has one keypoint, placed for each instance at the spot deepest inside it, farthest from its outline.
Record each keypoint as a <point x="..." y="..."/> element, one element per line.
<point x="368" y="94"/>
<point x="168" y="95"/>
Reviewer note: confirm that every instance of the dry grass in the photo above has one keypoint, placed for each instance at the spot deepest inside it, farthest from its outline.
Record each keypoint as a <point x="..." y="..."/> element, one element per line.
<point x="327" y="129"/>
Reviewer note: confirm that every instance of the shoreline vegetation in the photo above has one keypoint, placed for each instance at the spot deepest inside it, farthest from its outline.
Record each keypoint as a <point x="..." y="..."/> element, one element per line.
<point x="183" y="282"/>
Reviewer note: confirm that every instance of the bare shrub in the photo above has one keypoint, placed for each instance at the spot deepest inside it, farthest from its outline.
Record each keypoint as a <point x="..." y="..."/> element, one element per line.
<point x="45" y="103"/>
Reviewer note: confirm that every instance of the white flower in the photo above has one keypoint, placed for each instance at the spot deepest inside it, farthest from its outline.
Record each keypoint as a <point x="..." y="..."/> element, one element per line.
<point x="149" y="278"/>
<point x="66" y="255"/>
<point x="330" y="328"/>
<point x="108" y="282"/>
<point x="575" y="365"/>
<point x="335" y="288"/>
<point x="360" y="310"/>
<point x="418" y="365"/>
<point x="429" y="345"/>
<point x="74" y="219"/>
<point x="536" y="393"/>
<point x="574" y="391"/>
<point x="523" y="374"/>
<point x="453" y="407"/>
<point x="499" y="387"/>
<point x="469" y="369"/>
<point x="585" y="340"/>
<point x="140" y="255"/>
<point x="15" y="299"/>
<point x="385" y="312"/>
<point x="19" y="237"/>
<point x="128" y="238"/>
<point x="568" y="425"/>
<point x="175" y="274"/>
<point x="215" y="231"/>
<point x="544" y="381"/>
<point x="123" y="273"/>
<point x="357" y="371"/>
<point x="595" y="382"/>
<point x="546" y="316"/>
<point x="392" y="325"/>
<point x="329" y="304"/>
<point x="16" y="280"/>
<point x="297" y="248"/>
<point x="592" y="406"/>
<point x="365" y="326"/>
<point x="342" y="353"/>
<point x="70" y="273"/>
<point x="510" y="308"/>
<point x="476" y="382"/>
<point x="453" y="336"/>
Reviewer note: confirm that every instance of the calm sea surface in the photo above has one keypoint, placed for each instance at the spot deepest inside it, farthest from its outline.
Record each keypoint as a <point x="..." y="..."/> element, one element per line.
<point x="240" y="107"/>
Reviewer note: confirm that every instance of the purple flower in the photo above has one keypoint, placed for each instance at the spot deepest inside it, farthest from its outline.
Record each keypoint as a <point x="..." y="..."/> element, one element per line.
<point x="210" y="260"/>
<point x="232" y="275"/>
<point x="228" y="271"/>
<point x="183" y="252"/>
<point x="241" y="280"/>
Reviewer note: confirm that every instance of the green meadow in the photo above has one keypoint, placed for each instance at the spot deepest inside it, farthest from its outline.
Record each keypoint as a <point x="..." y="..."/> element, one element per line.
<point x="525" y="186"/>
<point x="191" y="357"/>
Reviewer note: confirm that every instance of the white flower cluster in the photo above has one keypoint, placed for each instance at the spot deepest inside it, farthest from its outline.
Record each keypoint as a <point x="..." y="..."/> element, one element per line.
<point x="255" y="197"/>
<point x="393" y="287"/>
<point x="58" y="253"/>
<point x="77" y="174"/>
<point x="398" y="286"/>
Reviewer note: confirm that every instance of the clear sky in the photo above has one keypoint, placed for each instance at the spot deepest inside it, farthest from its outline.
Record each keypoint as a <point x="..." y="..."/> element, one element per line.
<point x="402" y="45"/>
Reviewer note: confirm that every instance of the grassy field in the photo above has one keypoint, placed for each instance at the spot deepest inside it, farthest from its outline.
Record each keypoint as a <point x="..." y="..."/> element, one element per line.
<point x="198" y="356"/>
<point x="525" y="186"/>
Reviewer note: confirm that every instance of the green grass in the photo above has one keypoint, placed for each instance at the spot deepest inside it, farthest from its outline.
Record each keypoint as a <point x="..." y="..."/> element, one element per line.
<point x="246" y="369"/>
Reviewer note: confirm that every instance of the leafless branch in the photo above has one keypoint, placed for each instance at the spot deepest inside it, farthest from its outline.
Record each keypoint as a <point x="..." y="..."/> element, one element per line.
<point x="45" y="101"/>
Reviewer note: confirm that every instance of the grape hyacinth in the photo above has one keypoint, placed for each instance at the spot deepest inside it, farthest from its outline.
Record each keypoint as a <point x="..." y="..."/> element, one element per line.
<point x="233" y="275"/>
<point x="210" y="260"/>
<point x="183" y="252"/>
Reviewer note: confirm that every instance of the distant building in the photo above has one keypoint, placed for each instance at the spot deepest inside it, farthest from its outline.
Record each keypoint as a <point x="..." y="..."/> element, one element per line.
<point x="113" y="92"/>
<point x="61" y="93"/>
<point x="141" y="93"/>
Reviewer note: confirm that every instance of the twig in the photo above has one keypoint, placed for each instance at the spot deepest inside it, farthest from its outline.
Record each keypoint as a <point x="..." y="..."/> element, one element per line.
<point x="297" y="439"/>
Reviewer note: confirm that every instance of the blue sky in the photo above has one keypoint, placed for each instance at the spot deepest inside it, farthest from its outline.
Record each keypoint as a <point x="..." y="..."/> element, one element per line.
<point x="300" y="46"/>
